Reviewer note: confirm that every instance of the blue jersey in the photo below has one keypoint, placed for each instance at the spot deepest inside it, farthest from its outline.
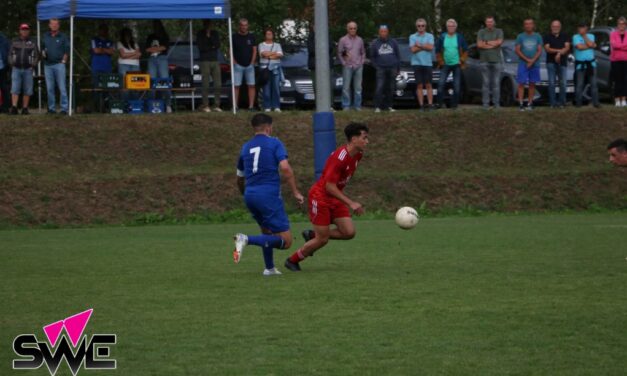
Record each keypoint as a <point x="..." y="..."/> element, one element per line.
<point x="259" y="164"/>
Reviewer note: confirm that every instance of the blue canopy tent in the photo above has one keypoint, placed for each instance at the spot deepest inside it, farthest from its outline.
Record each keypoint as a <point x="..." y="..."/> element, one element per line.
<point x="136" y="9"/>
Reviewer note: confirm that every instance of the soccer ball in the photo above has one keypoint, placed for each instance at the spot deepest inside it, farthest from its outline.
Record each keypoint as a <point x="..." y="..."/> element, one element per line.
<point x="407" y="218"/>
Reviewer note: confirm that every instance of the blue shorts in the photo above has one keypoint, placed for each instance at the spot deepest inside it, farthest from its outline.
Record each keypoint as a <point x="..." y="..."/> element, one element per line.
<point x="527" y="75"/>
<point x="239" y="72"/>
<point x="22" y="81"/>
<point x="268" y="211"/>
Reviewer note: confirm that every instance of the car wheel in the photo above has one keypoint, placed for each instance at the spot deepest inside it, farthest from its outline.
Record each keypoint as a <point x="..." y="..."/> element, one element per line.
<point x="507" y="93"/>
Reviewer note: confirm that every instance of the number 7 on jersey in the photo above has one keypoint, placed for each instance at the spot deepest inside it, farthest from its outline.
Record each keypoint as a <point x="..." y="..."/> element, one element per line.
<point x="256" y="151"/>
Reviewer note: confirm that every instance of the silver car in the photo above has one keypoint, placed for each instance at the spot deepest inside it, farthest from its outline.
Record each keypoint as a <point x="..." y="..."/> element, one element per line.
<point x="472" y="79"/>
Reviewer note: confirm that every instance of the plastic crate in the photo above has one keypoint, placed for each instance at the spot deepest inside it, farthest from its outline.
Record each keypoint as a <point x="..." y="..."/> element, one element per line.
<point x="183" y="81"/>
<point x="162" y="83"/>
<point x="136" y="106"/>
<point x="155" y="106"/>
<point x="117" y="107"/>
<point x="137" y="81"/>
<point x="109" y="81"/>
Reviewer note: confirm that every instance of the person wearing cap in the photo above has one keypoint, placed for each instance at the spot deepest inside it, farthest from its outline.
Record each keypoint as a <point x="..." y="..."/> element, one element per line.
<point x="5" y="45"/>
<point x="23" y="58"/>
<point x="55" y="52"/>
<point x="101" y="51"/>
<point x="386" y="58"/>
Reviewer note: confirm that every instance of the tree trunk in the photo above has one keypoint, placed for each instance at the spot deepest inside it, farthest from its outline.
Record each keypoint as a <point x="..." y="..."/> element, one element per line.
<point x="437" y="15"/>
<point x="594" y="13"/>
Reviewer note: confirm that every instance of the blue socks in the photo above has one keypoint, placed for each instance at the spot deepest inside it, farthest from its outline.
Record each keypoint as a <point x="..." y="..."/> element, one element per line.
<point x="268" y="257"/>
<point x="273" y="241"/>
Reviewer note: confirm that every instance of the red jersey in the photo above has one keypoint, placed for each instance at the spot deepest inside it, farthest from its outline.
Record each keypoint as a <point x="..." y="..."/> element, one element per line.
<point x="338" y="169"/>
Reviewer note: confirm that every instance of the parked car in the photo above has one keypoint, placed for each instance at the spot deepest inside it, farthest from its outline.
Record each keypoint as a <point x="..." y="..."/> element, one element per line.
<point x="472" y="79"/>
<point x="405" y="94"/>
<point x="298" y="88"/>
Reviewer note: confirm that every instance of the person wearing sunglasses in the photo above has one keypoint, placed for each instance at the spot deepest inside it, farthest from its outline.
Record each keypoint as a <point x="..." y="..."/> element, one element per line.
<point x="489" y="40"/>
<point x="351" y="53"/>
<point x="421" y="45"/>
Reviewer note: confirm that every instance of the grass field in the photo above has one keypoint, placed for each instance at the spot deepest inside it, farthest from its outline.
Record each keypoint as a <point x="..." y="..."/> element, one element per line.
<point x="494" y="295"/>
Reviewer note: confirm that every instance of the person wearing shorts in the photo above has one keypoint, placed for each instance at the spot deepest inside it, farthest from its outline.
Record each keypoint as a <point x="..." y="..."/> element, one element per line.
<point x="244" y="57"/>
<point x="23" y="57"/>
<point x="529" y="50"/>
<point x="421" y="44"/>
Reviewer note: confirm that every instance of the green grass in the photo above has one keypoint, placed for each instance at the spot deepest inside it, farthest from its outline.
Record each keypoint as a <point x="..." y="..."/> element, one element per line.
<point x="494" y="295"/>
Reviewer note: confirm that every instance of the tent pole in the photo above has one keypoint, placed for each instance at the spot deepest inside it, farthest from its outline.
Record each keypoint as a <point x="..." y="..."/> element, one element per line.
<point x="191" y="63"/>
<point x="39" y="64"/>
<point x="232" y="73"/>
<point x="71" y="64"/>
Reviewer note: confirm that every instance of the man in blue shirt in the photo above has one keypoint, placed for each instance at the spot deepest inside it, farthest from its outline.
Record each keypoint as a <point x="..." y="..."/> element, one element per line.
<point x="101" y="51"/>
<point x="421" y="45"/>
<point x="259" y="181"/>
<point x="585" y="64"/>
<point x="529" y="50"/>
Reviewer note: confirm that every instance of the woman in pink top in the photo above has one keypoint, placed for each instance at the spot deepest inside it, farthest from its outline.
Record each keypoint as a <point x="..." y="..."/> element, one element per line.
<point x="618" y="57"/>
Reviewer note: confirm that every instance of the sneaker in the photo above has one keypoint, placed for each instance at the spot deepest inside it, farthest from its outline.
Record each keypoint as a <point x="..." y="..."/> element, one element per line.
<point x="217" y="109"/>
<point x="206" y="109"/>
<point x="308" y="235"/>
<point x="521" y="107"/>
<point x="391" y="109"/>
<point x="292" y="266"/>
<point x="13" y="110"/>
<point x="277" y="110"/>
<point x="168" y="109"/>
<point x="266" y="110"/>
<point x="377" y="110"/>
<point x="241" y="241"/>
<point x="618" y="103"/>
<point x="270" y="272"/>
<point x="25" y="111"/>
<point x="623" y="103"/>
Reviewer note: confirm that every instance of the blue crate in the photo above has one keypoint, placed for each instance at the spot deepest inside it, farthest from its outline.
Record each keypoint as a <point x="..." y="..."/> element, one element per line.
<point x="136" y="106"/>
<point x="155" y="106"/>
<point x="161" y="83"/>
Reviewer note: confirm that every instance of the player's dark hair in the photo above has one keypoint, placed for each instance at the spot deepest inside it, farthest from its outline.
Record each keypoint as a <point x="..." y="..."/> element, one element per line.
<point x="582" y="24"/>
<point x="354" y="130"/>
<point x="620" y="145"/>
<point x="261" y="119"/>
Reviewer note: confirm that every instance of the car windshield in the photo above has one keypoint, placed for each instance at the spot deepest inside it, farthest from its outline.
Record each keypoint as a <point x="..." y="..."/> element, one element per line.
<point x="403" y="47"/>
<point x="295" y="58"/>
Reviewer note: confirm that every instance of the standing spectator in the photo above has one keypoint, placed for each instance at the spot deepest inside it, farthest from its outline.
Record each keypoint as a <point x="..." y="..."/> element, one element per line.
<point x="421" y="44"/>
<point x="55" y="51"/>
<point x="244" y="58"/>
<point x="386" y="58"/>
<point x="129" y="55"/>
<point x="157" y="45"/>
<point x="351" y="53"/>
<point x="23" y="57"/>
<point x="4" y="69"/>
<point x="208" y="41"/>
<point x="618" y="57"/>
<point x="451" y="50"/>
<point x="557" y="46"/>
<point x="270" y="54"/>
<point x="101" y="52"/>
<point x="529" y="50"/>
<point x="489" y="41"/>
<point x="585" y="64"/>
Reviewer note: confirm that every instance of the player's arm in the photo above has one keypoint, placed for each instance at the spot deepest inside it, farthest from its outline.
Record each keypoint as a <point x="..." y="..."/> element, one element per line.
<point x="334" y="191"/>
<point x="288" y="173"/>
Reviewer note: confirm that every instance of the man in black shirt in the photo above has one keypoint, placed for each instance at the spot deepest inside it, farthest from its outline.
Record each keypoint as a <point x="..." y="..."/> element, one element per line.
<point x="208" y="41"/>
<point x="244" y="57"/>
<point x="557" y="46"/>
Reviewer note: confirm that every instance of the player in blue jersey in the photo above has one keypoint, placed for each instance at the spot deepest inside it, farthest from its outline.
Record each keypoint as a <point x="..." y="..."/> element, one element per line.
<point x="259" y="180"/>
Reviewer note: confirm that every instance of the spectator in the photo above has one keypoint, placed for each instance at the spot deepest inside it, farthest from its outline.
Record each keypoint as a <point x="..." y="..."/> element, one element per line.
<point x="270" y="54"/>
<point x="585" y="64"/>
<point x="244" y="57"/>
<point x="617" y="150"/>
<point x="386" y="58"/>
<point x="129" y="55"/>
<point x="4" y="69"/>
<point x="23" y="57"/>
<point x="101" y="52"/>
<point x="451" y="50"/>
<point x="529" y="50"/>
<point x="208" y="41"/>
<point x="557" y="46"/>
<point x="157" y="45"/>
<point x="489" y="41"/>
<point x="351" y="53"/>
<point x="618" y="57"/>
<point x="421" y="44"/>
<point x="55" y="50"/>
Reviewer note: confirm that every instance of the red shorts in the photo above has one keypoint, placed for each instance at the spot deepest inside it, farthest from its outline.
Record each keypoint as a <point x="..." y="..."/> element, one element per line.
<point x="323" y="210"/>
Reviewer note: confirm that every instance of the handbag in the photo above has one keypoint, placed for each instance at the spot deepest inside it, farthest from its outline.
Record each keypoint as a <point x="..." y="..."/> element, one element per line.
<point x="264" y="73"/>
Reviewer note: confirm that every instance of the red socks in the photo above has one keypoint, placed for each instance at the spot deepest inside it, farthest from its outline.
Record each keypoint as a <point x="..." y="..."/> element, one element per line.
<point x="297" y="257"/>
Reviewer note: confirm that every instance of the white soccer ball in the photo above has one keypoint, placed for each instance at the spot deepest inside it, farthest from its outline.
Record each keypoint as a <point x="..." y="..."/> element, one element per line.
<point x="407" y="218"/>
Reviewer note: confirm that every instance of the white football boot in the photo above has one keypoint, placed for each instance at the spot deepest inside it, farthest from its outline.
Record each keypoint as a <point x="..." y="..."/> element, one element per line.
<point x="241" y="241"/>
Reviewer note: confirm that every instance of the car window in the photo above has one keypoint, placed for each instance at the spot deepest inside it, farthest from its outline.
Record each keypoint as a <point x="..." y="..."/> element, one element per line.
<point x="405" y="51"/>
<point x="601" y="39"/>
<point x="473" y="52"/>
<point x="297" y="59"/>
<point x="180" y="52"/>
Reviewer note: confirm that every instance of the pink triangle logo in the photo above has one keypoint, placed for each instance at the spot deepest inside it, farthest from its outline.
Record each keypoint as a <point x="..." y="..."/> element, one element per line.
<point x="74" y="326"/>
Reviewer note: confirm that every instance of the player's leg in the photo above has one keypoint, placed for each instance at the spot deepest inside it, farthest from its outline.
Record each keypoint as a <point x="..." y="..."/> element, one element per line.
<point x="340" y="215"/>
<point x="345" y="229"/>
<point x="320" y="239"/>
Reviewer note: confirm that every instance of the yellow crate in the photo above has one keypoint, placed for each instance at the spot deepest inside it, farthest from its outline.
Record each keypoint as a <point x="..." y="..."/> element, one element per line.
<point x="137" y="81"/>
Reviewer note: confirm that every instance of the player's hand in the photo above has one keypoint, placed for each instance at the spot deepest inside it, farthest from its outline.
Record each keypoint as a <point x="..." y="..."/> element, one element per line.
<point x="357" y="208"/>
<point x="299" y="198"/>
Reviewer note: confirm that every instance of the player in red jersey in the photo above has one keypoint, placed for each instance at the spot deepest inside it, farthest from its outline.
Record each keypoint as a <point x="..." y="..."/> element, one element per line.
<point x="327" y="202"/>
